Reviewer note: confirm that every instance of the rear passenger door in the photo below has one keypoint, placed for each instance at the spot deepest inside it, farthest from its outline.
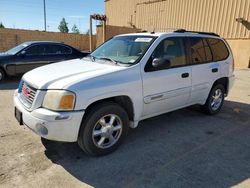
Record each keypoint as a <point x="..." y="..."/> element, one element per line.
<point x="56" y="52"/>
<point x="205" y="71"/>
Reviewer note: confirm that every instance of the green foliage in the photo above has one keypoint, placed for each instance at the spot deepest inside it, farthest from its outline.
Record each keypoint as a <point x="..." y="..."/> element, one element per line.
<point x="1" y="25"/>
<point x="75" y="29"/>
<point x="87" y="32"/>
<point x="63" y="26"/>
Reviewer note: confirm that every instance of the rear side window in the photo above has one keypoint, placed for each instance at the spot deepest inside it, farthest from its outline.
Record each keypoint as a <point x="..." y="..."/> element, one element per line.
<point x="198" y="53"/>
<point x="57" y="49"/>
<point x="219" y="49"/>
<point x="208" y="52"/>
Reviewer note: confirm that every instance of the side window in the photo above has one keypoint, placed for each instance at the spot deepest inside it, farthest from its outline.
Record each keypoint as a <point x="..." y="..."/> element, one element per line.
<point x="198" y="53"/>
<point x="56" y="49"/>
<point x="36" y="50"/>
<point x="209" y="57"/>
<point x="219" y="49"/>
<point x="171" y="49"/>
<point x="65" y="49"/>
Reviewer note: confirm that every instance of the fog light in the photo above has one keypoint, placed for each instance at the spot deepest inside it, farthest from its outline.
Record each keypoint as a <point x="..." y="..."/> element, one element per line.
<point x="41" y="129"/>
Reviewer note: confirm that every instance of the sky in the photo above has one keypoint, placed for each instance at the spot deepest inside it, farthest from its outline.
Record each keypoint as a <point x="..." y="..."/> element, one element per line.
<point x="28" y="14"/>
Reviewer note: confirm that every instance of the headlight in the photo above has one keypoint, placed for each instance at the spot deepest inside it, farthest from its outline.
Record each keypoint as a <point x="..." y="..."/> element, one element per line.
<point x="59" y="100"/>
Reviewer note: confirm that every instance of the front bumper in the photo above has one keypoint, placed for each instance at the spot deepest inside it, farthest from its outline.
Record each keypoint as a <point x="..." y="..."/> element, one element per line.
<point x="59" y="126"/>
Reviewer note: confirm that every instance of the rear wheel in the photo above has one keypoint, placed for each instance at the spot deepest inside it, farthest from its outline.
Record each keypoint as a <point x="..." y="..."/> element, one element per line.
<point x="215" y="100"/>
<point x="2" y="75"/>
<point x="103" y="129"/>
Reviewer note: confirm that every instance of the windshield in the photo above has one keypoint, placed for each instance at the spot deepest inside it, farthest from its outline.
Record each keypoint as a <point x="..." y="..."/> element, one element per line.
<point x="16" y="49"/>
<point x="124" y="49"/>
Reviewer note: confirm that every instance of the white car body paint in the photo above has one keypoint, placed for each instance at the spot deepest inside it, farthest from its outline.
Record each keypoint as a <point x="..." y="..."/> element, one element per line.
<point x="151" y="93"/>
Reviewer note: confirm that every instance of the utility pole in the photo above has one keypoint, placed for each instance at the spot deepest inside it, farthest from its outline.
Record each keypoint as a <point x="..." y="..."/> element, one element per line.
<point x="79" y="23"/>
<point x="90" y="33"/>
<point x="44" y="11"/>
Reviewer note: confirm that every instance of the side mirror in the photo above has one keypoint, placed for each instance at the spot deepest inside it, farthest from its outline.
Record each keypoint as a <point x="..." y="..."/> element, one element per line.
<point x="159" y="63"/>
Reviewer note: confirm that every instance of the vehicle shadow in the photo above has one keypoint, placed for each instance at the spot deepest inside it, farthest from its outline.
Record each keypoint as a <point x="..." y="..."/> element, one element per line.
<point x="10" y="83"/>
<point x="184" y="148"/>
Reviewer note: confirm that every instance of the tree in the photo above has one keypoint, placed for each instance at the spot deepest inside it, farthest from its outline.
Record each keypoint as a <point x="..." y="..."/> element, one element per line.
<point x="75" y="29"/>
<point x="63" y="26"/>
<point x="87" y="32"/>
<point x="1" y="25"/>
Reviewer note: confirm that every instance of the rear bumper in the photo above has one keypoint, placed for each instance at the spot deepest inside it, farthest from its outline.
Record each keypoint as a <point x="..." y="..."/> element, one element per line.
<point x="59" y="126"/>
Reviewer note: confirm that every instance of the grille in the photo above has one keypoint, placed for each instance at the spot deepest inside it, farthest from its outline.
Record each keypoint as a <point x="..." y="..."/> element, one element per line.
<point x="27" y="94"/>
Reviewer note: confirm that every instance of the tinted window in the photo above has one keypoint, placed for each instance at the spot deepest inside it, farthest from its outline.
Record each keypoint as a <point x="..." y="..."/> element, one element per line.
<point x="57" y="49"/>
<point x="198" y="53"/>
<point x="171" y="49"/>
<point x="219" y="50"/>
<point x="36" y="50"/>
<point x="208" y="52"/>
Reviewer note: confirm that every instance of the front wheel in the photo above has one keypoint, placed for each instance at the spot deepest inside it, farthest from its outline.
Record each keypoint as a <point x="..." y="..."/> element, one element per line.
<point x="215" y="100"/>
<point x="103" y="129"/>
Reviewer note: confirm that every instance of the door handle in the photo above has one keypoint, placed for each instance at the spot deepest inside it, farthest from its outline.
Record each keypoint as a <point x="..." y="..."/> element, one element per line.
<point x="156" y="97"/>
<point x="185" y="75"/>
<point x="215" y="70"/>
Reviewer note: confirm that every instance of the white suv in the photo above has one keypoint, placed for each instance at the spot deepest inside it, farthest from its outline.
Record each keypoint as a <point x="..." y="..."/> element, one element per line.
<point x="129" y="78"/>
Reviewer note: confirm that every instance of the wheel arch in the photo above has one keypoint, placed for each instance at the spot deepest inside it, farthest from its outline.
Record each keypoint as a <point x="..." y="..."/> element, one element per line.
<point x="2" y="69"/>
<point x="224" y="81"/>
<point x="123" y="100"/>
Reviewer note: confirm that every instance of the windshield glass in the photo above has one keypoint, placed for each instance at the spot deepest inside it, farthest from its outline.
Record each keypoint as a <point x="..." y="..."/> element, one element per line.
<point x="124" y="49"/>
<point x="16" y="49"/>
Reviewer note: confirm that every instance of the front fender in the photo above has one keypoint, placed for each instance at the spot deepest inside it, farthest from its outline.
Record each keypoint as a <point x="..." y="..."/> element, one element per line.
<point x="83" y="103"/>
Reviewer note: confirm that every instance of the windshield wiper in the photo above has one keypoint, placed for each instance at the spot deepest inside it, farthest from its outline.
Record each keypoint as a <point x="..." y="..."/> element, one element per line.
<point x="111" y="60"/>
<point x="108" y="59"/>
<point x="91" y="57"/>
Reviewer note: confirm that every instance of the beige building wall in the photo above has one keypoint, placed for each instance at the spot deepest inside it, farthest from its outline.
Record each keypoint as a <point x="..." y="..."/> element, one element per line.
<point x="241" y="52"/>
<point x="112" y="31"/>
<point x="217" y="16"/>
<point x="201" y="15"/>
<point x="12" y="37"/>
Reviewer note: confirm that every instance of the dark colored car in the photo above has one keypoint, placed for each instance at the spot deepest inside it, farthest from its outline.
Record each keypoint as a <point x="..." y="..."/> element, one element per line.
<point x="30" y="55"/>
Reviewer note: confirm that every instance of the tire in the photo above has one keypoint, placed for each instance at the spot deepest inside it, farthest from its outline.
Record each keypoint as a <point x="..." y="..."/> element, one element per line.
<point x="2" y="75"/>
<point x="215" y="100"/>
<point x="103" y="129"/>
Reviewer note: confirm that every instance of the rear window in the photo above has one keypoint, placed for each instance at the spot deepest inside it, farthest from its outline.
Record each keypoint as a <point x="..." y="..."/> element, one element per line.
<point x="219" y="49"/>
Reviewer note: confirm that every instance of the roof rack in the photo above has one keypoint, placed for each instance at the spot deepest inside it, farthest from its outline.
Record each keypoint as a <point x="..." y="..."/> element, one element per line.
<point x="142" y="31"/>
<point x="204" y="33"/>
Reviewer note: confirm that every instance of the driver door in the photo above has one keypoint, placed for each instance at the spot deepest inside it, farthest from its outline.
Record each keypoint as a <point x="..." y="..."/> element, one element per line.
<point x="167" y="89"/>
<point x="33" y="58"/>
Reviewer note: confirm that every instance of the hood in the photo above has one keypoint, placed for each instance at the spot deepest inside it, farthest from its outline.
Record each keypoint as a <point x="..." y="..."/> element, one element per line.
<point x="4" y="55"/>
<point x="63" y="74"/>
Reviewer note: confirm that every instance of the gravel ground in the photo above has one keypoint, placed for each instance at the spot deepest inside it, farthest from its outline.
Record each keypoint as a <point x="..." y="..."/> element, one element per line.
<point x="184" y="148"/>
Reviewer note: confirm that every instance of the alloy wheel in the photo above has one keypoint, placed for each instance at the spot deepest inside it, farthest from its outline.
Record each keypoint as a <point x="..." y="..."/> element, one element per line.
<point x="216" y="99"/>
<point x="107" y="131"/>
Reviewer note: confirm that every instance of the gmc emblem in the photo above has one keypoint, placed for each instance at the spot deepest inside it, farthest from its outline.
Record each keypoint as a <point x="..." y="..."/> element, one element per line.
<point x="25" y="91"/>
